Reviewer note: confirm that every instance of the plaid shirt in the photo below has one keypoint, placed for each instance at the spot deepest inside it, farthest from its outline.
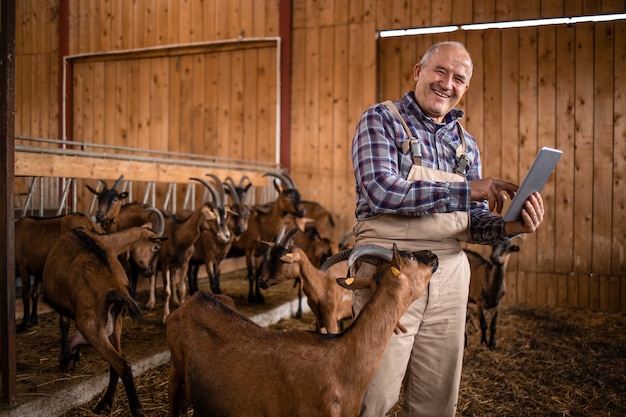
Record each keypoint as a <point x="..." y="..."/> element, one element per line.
<point x="381" y="170"/>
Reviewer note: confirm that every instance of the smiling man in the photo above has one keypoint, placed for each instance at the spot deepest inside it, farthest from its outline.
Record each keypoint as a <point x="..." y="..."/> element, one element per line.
<point x="419" y="184"/>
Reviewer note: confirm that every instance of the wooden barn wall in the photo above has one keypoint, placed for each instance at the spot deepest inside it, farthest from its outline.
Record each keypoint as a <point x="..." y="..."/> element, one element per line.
<point x="537" y="87"/>
<point x="217" y="98"/>
<point x="556" y="86"/>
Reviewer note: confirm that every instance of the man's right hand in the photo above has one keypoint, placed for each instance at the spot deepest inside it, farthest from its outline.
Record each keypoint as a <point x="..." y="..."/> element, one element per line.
<point x="493" y="190"/>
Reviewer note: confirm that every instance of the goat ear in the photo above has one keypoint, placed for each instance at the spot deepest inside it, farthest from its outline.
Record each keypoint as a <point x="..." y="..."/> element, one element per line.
<point x="353" y="283"/>
<point x="208" y="213"/>
<point x="231" y="212"/>
<point x="514" y="248"/>
<point x="92" y="189"/>
<point x="396" y="261"/>
<point x="302" y="221"/>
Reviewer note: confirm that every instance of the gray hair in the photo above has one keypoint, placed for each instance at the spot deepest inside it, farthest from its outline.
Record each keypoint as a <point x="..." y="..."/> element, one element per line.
<point x="436" y="46"/>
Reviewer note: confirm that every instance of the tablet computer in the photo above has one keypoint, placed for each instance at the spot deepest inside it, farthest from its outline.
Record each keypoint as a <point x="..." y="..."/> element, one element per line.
<point x="535" y="179"/>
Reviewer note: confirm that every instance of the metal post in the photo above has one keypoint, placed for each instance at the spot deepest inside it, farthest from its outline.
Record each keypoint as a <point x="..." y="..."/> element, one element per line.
<point x="7" y="190"/>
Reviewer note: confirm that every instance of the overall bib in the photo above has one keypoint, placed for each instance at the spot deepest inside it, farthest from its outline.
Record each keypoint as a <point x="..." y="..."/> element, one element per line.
<point x="427" y="359"/>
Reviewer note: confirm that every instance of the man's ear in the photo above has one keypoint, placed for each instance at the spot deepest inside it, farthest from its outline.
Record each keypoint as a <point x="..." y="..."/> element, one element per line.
<point x="416" y="71"/>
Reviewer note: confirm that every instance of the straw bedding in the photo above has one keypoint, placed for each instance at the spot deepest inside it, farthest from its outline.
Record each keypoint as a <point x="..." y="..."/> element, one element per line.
<point x="548" y="362"/>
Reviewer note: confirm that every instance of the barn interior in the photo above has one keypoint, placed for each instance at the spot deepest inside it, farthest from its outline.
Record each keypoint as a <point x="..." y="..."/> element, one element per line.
<point x="160" y="91"/>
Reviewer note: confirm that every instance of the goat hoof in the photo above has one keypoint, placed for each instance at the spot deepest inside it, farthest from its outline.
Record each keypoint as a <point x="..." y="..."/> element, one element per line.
<point x="22" y="328"/>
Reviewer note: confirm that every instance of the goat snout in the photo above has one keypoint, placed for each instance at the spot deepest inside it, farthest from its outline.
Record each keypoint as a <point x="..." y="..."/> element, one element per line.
<point x="428" y="258"/>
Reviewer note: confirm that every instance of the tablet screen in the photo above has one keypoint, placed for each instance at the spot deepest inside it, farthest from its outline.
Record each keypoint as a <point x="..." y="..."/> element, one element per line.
<point x="535" y="179"/>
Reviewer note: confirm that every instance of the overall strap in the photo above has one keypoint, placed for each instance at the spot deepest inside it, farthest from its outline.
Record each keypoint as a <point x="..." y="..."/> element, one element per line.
<point x="412" y="143"/>
<point x="461" y="153"/>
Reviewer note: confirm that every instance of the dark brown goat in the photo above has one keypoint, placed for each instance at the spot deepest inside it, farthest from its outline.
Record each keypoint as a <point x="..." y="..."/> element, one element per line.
<point x="329" y="302"/>
<point x="34" y="238"/>
<point x="176" y="252"/>
<point x="132" y="215"/>
<point x="488" y="286"/>
<point x="234" y="367"/>
<point x="109" y="202"/>
<point x="264" y="223"/>
<point x="84" y="281"/>
<point x="214" y="244"/>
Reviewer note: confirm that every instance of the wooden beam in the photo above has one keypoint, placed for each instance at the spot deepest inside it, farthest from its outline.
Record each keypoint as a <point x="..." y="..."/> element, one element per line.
<point x="7" y="227"/>
<point x="29" y="164"/>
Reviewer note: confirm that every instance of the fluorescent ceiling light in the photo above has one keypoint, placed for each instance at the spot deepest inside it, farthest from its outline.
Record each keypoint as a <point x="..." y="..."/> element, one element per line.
<point x="598" y="18"/>
<point x="517" y="24"/>
<point x="503" y="25"/>
<point x="417" y="31"/>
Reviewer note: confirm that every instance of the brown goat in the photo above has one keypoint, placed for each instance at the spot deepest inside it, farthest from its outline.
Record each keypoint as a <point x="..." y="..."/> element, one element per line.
<point x="214" y="243"/>
<point x="264" y="223"/>
<point x="234" y="367"/>
<point x="34" y="238"/>
<point x="488" y="286"/>
<point x="109" y="202"/>
<point x="329" y="302"/>
<point x="132" y="215"/>
<point x="84" y="281"/>
<point x="175" y="254"/>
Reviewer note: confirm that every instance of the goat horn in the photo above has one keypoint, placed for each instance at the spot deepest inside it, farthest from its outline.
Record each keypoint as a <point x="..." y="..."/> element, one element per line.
<point x="286" y="181"/>
<point x="336" y="258"/>
<point x="375" y="250"/>
<point x="220" y="187"/>
<point x="229" y="180"/>
<point x="280" y="234"/>
<point x="210" y="188"/>
<point x="241" y="181"/>
<point x="232" y="191"/>
<point x="290" y="180"/>
<point x="118" y="182"/>
<point x="287" y="237"/>
<point x="159" y="225"/>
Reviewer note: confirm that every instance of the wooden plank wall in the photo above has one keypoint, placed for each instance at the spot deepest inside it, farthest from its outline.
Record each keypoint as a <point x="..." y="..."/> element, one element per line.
<point x="552" y="86"/>
<point x="218" y="98"/>
<point x="575" y="75"/>
<point x="526" y="91"/>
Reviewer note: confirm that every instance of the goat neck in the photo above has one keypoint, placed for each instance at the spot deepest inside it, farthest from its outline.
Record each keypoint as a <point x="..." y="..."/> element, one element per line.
<point x="125" y="240"/>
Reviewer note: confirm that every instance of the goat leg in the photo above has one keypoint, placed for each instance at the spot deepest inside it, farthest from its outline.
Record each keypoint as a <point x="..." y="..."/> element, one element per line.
<point x="168" y="293"/>
<point x="298" y="283"/>
<point x="152" y="298"/>
<point x="64" y="326"/>
<point x="215" y="279"/>
<point x="26" y="297"/>
<point x="175" y="283"/>
<point x="182" y="283"/>
<point x="492" y="332"/>
<point x="483" y="328"/>
<point x="34" y="318"/>
<point x="192" y="277"/>
<point x="105" y="403"/>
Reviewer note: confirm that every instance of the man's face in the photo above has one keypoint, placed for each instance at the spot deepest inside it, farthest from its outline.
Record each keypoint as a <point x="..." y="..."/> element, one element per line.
<point x="440" y="84"/>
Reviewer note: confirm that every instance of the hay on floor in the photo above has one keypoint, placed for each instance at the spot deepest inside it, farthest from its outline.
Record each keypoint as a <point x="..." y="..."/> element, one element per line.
<point x="548" y="362"/>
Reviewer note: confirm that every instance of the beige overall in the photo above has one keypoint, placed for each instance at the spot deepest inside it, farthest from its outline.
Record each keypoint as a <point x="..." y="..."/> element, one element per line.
<point x="428" y="358"/>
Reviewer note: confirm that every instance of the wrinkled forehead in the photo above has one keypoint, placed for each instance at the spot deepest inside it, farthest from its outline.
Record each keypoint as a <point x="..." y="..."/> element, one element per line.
<point x="452" y="57"/>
